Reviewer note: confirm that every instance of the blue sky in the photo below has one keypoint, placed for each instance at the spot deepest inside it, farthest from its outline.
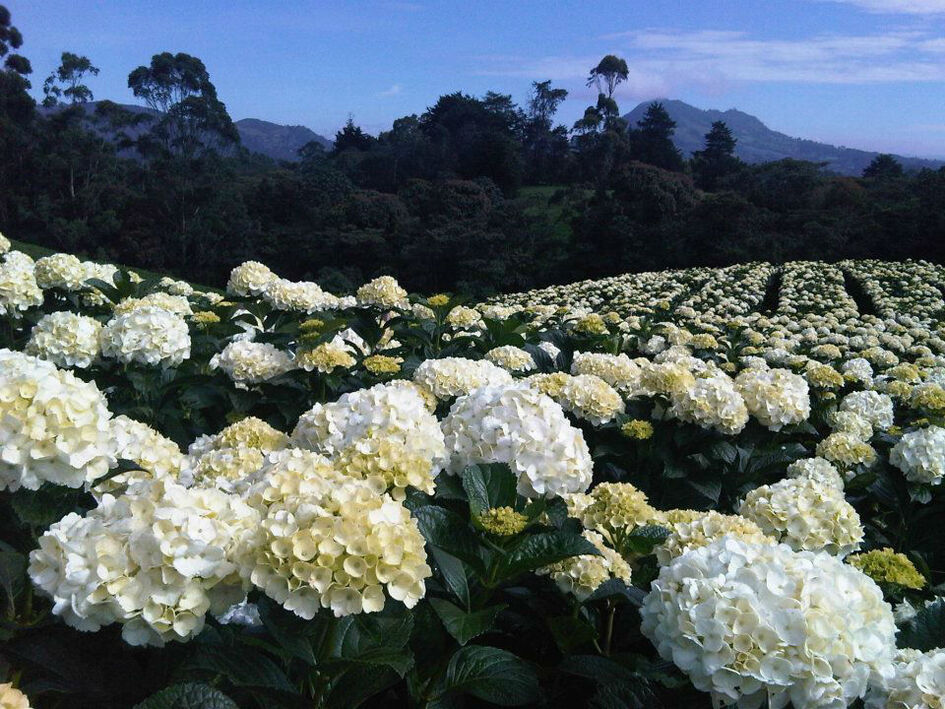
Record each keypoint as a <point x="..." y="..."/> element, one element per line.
<point x="862" y="73"/>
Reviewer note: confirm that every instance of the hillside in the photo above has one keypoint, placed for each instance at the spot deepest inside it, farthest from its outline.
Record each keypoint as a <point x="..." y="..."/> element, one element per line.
<point x="270" y="139"/>
<point x="757" y="143"/>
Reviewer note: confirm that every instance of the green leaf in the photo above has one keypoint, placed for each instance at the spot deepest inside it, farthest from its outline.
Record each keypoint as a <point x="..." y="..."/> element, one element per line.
<point x="462" y="625"/>
<point x="489" y="486"/>
<point x="12" y="573"/>
<point x="492" y="675"/>
<point x="615" y="587"/>
<point x="243" y="667"/>
<point x="292" y="636"/>
<point x="49" y="504"/>
<point x="926" y="631"/>
<point x="448" y="531"/>
<point x="635" y="694"/>
<point x="545" y="548"/>
<point x="643" y="539"/>
<point x="570" y="632"/>
<point x="357" y="684"/>
<point x="374" y="639"/>
<point x="188" y="695"/>
<point x="724" y="451"/>
<point x="454" y="574"/>
<point x="602" y="670"/>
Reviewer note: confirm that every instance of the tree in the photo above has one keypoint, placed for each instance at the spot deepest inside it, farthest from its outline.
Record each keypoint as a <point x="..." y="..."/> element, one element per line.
<point x="66" y="81"/>
<point x="546" y="147"/>
<point x="17" y="110"/>
<point x="544" y="102"/>
<point x="883" y="167"/>
<point x="652" y="140"/>
<point x="717" y="159"/>
<point x="610" y="72"/>
<point x="351" y="137"/>
<point x="192" y="119"/>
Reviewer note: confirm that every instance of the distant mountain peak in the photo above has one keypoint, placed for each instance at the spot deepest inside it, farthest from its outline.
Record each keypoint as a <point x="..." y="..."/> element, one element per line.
<point x="757" y="143"/>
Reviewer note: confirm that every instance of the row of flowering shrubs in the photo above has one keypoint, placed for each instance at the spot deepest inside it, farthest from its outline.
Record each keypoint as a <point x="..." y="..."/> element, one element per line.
<point x="656" y="490"/>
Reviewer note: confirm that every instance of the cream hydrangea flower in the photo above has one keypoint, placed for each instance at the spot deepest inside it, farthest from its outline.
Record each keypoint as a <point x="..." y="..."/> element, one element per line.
<point x="705" y="529"/>
<point x="5" y="244"/>
<point x="139" y="443"/>
<point x="519" y="426"/>
<point x="918" y="682"/>
<point x="18" y="288"/>
<point x="155" y="559"/>
<point x="385" y="432"/>
<point x="330" y="541"/>
<point x="776" y="397"/>
<point x="301" y="296"/>
<point x="582" y="575"/>
<point x="250" y="278"/>
<point x="806" y="514"/>
<point x="66" y="339"/>
<point x="589" y="397"/>
<point x="60" y="271"/>
<point x="10" y="696"/>
<point x="147" y="335"/>
<point x="621" y="372"/>
<point x="177" y="304"/>
<point x="872" y="406"/>
<point x="249" y="362"/>
<point x="326" y="357"/>
<point x="852" y="423"/>
<point x="456" y="376"/>
<point x="613" y="510"/>
<point x="846" y="450"/>
<point x="711" y="402"/>
<point x="511" y="358"/>
<point x="921" y="455"/>
<point x="383" y="292"/>
<point x="55" y="426"/>
<point x="817" y="469"/>
<point x="748" y="622"/>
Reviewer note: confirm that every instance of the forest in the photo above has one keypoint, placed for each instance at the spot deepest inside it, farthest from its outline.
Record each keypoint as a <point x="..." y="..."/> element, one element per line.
<point x="474" y="194"/>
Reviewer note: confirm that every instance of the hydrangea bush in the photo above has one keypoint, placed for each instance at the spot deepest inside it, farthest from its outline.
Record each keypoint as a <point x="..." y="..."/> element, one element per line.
<point x="709" y="487"/>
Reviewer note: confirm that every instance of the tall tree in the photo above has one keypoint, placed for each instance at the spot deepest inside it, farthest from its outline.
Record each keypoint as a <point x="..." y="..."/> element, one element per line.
<point x="883" y="167"/>
<point x="192" y="119"/>
<point x="66" y="81"/>
<point x="717" y="159"/>
<point x="652" y="140"/>
<point x="609" y="73"/>
<point x="546" y="146"/>
<point x="17" y="110"/>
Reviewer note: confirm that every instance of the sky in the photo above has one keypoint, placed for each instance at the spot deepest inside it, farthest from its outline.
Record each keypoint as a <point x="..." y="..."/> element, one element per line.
<point x="868" y="74"/>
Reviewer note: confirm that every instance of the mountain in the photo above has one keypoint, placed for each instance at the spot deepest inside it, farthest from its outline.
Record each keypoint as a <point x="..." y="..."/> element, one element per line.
<point x="276" y="141"/>
<point x="757" y="143"/>
<point x="271" y="139"/>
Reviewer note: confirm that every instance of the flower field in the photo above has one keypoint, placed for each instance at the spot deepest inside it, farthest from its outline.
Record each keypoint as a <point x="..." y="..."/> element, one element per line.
<point x="695" y="488"/>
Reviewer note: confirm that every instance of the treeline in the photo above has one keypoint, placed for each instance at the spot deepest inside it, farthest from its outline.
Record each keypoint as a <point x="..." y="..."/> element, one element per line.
<point x="475" y="194"/>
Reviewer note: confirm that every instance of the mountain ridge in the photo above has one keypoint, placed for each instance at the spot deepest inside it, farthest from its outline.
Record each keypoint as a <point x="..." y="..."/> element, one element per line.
<point x="757" y="143"/>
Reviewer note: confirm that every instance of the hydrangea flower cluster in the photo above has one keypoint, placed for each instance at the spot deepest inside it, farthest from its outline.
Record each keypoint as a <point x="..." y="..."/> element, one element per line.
<point x="918" y="682"/>
<point x="511" y="358"/>
<point x="66" y="339"/>
<point x="156" y="560"/>
<point x="247" y="362"/>
<point x="522" y="427"/>
<point x="748" y="622"/>
<point x="455" y="376"/>
<point x="920" y="455"/>
<point x="56" y="427"/>
<point x="805" y="514"/>
<point x="582" y="575"/>
<point x="776" y="397"/>
<point x="19" y="290"/>
<point x="147" y="335"/>
<point x="705" y="528"/>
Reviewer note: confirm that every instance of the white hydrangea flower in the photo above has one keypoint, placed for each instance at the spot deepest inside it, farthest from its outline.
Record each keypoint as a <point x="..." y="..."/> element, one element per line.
<point x="66" y="339"/>
<point x="55" y="426"/>
<point x="155" y="559"/>
<point x="177" y="304"/>
<point x="250" y="278"/>
<point x="750" y="622"/>
<point x="456" y="376"/>
<point x="63" y="271"/>
<point x="852" y="423"/>
<point x="248" y="362"/>
<point x="511" y="358"/>
<point x="918" y="682"/>
<point x="301" y="296"/>
<point x="384" y="432"/>
<point x="806" y="514"/>
<point x="776" y="397"/>
<point x="707" y="527"/>
<point x="621" y="372"/>
<point x="330" y="541"/>
<point x="519" y="426"/>
<point x="147" y="335"/>
<point x="921" y="455"/>
<point x="137" y="442"/>
<point x="5" y="244"/>
<point x="383" y="292"/>
<point x="18" y="288"/>
<point x="711" y="402"/>
<point x="582" y="575"/>
<point x="589" y="397"/>
<point x="871" y="405"/>
<point x="858" y="369"/>
<point x="817" y="469"/>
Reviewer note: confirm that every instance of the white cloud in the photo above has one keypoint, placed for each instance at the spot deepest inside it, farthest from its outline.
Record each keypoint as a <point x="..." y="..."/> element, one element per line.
<point x="392" y="91"/>
<point x="898" y="7"/>
<point x="662" y="61"/>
